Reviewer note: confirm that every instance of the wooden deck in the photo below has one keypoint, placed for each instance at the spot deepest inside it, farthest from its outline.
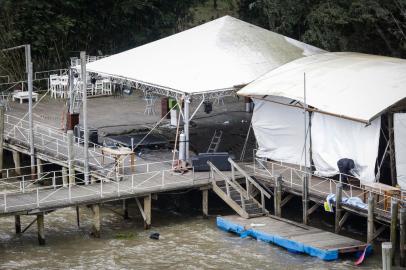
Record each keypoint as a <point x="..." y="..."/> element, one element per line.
<point x="319" y="187"/>
<point x="293" y="236"/>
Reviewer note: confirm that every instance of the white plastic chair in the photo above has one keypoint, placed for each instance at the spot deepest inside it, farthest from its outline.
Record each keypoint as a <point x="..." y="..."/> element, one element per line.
<point x="63" y="88"/>
<point x="149" y="104"/>
<point x="107" y="88"/>
<point x="54" y="84"/>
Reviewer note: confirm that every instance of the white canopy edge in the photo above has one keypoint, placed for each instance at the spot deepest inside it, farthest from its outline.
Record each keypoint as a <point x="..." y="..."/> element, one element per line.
<point x="216" y="57"/>
<point x="354" y="86"/>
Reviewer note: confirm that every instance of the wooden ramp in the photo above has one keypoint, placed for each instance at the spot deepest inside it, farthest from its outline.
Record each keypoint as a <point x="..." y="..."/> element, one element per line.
<point x="293" y="236"/>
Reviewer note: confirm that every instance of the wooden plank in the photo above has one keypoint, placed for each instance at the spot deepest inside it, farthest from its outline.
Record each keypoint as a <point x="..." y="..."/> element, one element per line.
<point x="306" y="235"/>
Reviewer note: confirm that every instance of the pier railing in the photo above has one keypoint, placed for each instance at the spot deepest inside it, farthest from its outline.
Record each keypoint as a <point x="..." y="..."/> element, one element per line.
<point x="292" y="177"/>
<point x="52" y="140"/>
<point x="31" y="195"/>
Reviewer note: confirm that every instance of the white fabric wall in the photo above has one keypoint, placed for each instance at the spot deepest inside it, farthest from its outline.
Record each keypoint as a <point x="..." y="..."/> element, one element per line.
<point x="334" y="138"/>
<point x="399" y="125"/>
<point x="279" y="131"/>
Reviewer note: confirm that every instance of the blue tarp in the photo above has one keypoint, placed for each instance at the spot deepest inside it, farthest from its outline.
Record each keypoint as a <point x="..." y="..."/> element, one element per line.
<point x="292" y="246"/>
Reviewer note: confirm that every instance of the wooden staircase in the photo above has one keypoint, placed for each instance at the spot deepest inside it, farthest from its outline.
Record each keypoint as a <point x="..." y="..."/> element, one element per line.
<point x="240" y="199"/>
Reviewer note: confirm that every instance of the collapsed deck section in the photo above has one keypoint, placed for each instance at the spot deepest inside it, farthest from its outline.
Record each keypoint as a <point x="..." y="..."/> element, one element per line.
<point x="293" y="236"/>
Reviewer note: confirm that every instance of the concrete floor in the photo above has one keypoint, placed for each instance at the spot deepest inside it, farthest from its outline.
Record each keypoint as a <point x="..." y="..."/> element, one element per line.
<point x="121" y="115"/>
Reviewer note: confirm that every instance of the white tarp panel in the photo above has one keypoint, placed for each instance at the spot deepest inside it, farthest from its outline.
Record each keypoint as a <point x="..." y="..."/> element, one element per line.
<point x="215" y="56"/>
<point x="334" y="138"/>
<point x="279" y="131"/>
<point x="399" y="125"/>
<point x="353" y="85"/>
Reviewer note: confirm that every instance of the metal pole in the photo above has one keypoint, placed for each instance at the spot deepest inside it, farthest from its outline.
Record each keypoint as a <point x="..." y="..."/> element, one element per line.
<point x="386" y="257"/>
<point x="2" y="109"/>
<point x="305" y="120"/>
<point x="186" y="124"/>
<point x="71" y="79"/>
<point x="30" y="120"/>
<point x="85" y="133"/>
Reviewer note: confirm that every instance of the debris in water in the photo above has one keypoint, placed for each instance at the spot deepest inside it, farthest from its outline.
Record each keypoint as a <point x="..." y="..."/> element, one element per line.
<point x="154" y="236"/>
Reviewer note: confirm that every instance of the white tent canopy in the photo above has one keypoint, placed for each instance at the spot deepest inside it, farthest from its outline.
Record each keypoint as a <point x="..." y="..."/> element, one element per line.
<point x="216" y="56"/>
<point x="353" y="85"/>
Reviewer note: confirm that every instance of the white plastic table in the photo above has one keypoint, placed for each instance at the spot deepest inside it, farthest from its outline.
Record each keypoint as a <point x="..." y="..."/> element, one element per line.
<point x="24" y="95"/>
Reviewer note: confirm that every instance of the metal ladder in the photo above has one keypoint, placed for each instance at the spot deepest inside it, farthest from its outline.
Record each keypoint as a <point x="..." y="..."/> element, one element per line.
<point x="215" y="141"/>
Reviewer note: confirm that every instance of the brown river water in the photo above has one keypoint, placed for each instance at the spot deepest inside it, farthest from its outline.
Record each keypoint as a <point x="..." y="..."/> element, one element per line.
<point x="186" y="242"/>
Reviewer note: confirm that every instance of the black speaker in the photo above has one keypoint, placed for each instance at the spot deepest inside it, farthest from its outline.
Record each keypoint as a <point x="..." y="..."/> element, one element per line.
<point x="79" y="133"/>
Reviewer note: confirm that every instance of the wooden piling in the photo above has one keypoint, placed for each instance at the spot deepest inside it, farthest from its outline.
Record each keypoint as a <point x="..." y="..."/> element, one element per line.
<point x="41" y="229"/>
<point x="339" y="210"/>
<point x="39" y="168"/>
<point x="278" y="196"/>
<point x="2" y="109"/>
<point x="370" y="227"/>
<point x="71" y="157"/>
<point x="147" y="212"/>
<point x="386" y="256"/>
<point x="77" y="215"/>
<point x="96" y="226"/>
<point x="205" y="203"/>
<point x="125" y="210"/>
<point x="393" y="227"/>
<point x="17" y="224"/>
<point x="402" y="240"/>
<point x="64" y="176"/>
<point x="17" y="162"/>
<point x="305" y="199"/>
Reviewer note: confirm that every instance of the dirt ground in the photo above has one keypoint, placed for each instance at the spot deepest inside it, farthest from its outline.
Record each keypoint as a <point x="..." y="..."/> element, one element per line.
<point x="125" y="114"/>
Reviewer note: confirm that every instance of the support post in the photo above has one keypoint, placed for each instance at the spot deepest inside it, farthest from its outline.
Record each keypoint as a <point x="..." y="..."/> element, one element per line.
<point x="2" y="109"/>
<point x="77" y="215"/>
<point x="186" y="124"/>
<point x="147" y="212"/>
<point x="17" y="162"/>
<point x="85" y="128"/>
<point x="386" y="253"/>
<point x="41" y="229"/>
<point x="17" y="223"/>
<point x="392" y="161"/>
<point x="30" y="118"/>
<point x="39" y="168"/>
<point x="125" y="210"/>
<point x="205" y="203"/>
<point x="71" y="157"/>
<point x="370" y="229"/>
<point x="96" y="226"/>
<point x="305" y="199"/>
<point x="278" y="196"/>
<point x="339" y="194"/>
<point x="64" y="176"/>
<point x="402" y="240"/>
<point x="393" y="227"/>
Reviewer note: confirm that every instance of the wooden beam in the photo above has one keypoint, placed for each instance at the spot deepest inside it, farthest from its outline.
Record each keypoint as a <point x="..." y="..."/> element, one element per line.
<point x="370" y="227"/>
<point x="393" y="226"/>
<point x="313" y="209"/>
<point x="402" y="240"/>
<point x="286" y="199"/>
<point x="305" y="199"/>
<point x="41" y="229"/>
<point x="17" y="223"/>
<point x="339" y="193"/>
<point x="392" y="161"/>
<point x="343" y="220"/>
<point x="205" y="203"/>
<point x="96" y="226"/>
<point x="278" y="196"/>
<point x="147" y="211"/>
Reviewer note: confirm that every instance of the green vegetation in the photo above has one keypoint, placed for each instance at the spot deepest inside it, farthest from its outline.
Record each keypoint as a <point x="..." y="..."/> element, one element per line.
<point x="59" y="29"/>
